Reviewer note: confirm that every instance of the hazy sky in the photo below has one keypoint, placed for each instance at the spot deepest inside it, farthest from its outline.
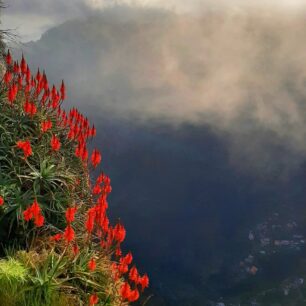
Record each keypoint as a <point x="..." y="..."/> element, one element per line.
<point x="241" y="70"/>
<point x="31" y="18"/>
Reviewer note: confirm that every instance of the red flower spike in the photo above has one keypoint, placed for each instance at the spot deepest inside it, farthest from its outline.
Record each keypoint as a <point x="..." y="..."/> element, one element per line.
<point x="56" y="237"/>
<point x="95" y="158"/>
<point x="128" y="258"/>
<point x="1" y="201"/>
<point x="55" y="143"/>
<point x="134" y="295"/>
<point x="91" y="214"/>
<point x="28" y="75"/>
<point x="38" y="76"/>
<point x="118" y="252"/>
<point x="26" y="147"/>
<point x="69" y="234"/>
<point x="93" y="300"/>
<point x="92" y="264"/>
<point x="97" y="189"/>
<point x="63" y="91"/>
<point x="12" y="92"/>
<point x="23" y="65"/>
<point x="105" y="224"/>
<point x="133" y="275"/>
<point x="39" y="220"/>
<point x="144" y="282"/>
<point x="84" y="154"/>
<point x="7" y="77"/>
<point x="100" y="179"/>
<point x="30" y="108"/>
<point x="70" y="214"/>
<point x="93" y="131"/>
<point x="35" y="209"/>
<point x="125" y="291"/>
<point x="46" y="125"/>
<point x="28" y="214"/>
<point x="107" y="180"/>
<point x="75" y="249"/>
<point x="123" y="268"/>
<point x="119" y="233"/>
<point x="53" y="92"/>
<point x="8" y="58"/>
<point x="16" y="68"/>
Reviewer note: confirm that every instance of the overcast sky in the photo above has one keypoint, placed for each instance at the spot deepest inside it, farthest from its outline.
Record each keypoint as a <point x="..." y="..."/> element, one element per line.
<point x="175" y="67"/>
<point x="30" y="18"/>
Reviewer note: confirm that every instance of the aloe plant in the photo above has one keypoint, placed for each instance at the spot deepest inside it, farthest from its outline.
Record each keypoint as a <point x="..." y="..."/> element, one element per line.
<point x="52" y="215"/>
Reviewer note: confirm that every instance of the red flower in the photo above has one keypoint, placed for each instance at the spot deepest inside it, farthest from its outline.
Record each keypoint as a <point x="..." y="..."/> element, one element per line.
<point x="69" y="234"/>
<point x="133" y="275"/>
<point x="134" y="295"/>
<point x="93" y="300"/>
<point x="16" y="67"/>
<point x="97" y="189"/>
<point x="53" y="92"/>
<point x="93" y="131"/>
<point x="100" y="179"/>
<point x="92" y="264"/>
<point x="23" y="65"/>
<point x="26" y="147"/>
<point x="28" y="214"/>
<point x="91" y="214"/>
<point x="28" y="75"/>
<point x="123" y="268"/>
<point x="39" y="220"/>
<point x="71" y="135"/>
<point x="144" y="281"/>
<point x="107" y="180"/>
<point x="7" y="77"/>
<point x="63" y="91"/>
<point x="125" y="291"/>
<point x="8" y="58"/>
<point x="1" y="201"/>
<point x="38" y="76"/>
<point x="56" y="237"/>
<point x="46" y="125"/>
<point x="108" y="189"/>
<point x="12" y="92"/>
<point x="70" y="214"/>
<point x="128" y="258"/>
<point x="75" y="249"/>
<point x="118" y="252"/>
<point x="95" y="158"/>
<point x="105" y="224"/>
<point x="55" y="143"/>
<point x="35" y="209"/>
<point x="84" y="154"/>
<point x="30" y="108"/>
<point x="128" y="294"/>
<point x="119" y="232"/>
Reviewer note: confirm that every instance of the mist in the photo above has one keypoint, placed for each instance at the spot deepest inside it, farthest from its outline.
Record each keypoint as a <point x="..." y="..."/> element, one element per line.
<point x="242" y="72"/>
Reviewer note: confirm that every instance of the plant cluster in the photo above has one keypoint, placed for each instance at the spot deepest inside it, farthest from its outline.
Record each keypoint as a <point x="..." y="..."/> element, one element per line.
<point x="55" y="218"/>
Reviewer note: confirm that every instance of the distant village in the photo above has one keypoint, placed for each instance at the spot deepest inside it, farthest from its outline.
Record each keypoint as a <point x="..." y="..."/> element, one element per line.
<point x="271" y="237"/>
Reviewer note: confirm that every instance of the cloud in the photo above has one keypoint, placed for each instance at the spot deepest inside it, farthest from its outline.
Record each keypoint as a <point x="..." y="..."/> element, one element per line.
<point x="29" y="19"/>
<point x="32" y="17"/>
<point x="241" y="72"/>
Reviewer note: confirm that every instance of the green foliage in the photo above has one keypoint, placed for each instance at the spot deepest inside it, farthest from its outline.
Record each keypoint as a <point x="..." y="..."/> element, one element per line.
<point x="51" y="279"/>
<point x="46" y="175"/>
<point x="44" y="180"/>
<point x="12" y="278"/>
